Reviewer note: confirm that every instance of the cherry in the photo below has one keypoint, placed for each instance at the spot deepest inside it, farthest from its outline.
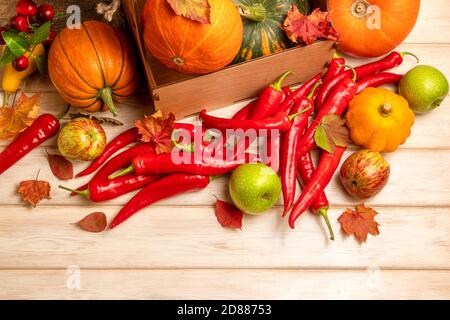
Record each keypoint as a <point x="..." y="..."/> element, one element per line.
<point x="21" y="63"/>
<point x="26" y="8"/>
<point x="45" y="12"/>
<point x="51" y="37"/>
<point x="2" y="29"/>
<point x="20" y="23"/>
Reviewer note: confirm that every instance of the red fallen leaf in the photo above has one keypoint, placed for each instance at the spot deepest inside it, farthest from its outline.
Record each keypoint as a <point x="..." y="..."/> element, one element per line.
<point x="157" y="130"/>
<point x="360" y="222"/>
<point x="94" y="222"/>
<point x="228" y="215"/>
<point x="33" y="191"/>
<point x="307" y="29"/>
<point x="60" y="166"/>
<point x="197" y="10"/>
<point x="332" y="132"/>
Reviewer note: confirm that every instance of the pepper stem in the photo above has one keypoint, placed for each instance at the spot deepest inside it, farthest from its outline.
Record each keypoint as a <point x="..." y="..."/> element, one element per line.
<point x="324" y="213"/>
<point x="256" y="12"/>
<point x="277" y="85"/>
<point x="293" y="116"/>
<point x="406" y="53"/>
<point x="60" y="116"/>
<point x="183" y="147"/>
<point x="106" y="95"/>
<point x="84" y="193"/>
<point x="355" y="75"/>
<point x="336" y="55"/>
<point x="122" y="173"/>
<point x="313" y="90"/>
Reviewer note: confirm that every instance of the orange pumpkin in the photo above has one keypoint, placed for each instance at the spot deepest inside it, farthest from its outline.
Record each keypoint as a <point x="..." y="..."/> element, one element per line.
<point x="371" y="28"/>
<point x="93" y="66"/>
<point x="189" y="46"/>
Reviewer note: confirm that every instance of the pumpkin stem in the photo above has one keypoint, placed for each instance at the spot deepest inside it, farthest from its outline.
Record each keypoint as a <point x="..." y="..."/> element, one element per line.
<point x="106" y="95"/>
<point x="361" y="9"/>
<point x="385" y="109"/>
<point x="178" y="61"/>
<point x="323" y="212"/>
<point x="256" y="12"/>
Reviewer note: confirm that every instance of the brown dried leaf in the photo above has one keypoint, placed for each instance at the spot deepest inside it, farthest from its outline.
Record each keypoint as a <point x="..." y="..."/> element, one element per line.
<point x="332" y="132"/>
<point x="94" y="222"/>
<point x="16" y="119"/>
<point x="33" y="191"/>
<point x="60" y="166"/>
<point x="360" y="222"/>
<point x="100" y="120"/>
<point x="157" y="130"/>
<point x="197" y="10"/>
<point x="307" y="29"/>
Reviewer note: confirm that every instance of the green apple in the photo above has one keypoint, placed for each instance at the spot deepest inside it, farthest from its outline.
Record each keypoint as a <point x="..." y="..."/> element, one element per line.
<point x="254" y="188"/>
<point x="424" y="87"/>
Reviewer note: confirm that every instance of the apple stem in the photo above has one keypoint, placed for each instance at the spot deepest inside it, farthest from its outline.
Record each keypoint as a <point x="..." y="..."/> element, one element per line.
<point x="324" y="213"/>
<point x="106" y="95"/>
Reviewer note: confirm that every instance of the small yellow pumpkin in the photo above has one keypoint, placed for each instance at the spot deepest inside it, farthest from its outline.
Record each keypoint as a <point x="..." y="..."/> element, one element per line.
<point x="379" y="120"/>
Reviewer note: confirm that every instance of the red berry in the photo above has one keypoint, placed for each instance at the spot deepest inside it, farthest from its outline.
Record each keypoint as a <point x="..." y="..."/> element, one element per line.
<point x="2" y="29"/>
<point x="45" y="12"/>
<point x="51" y="37"/>
<point x="26" y="8"/>
<point x="20" y="23"/>
<point x="21" y="63"/>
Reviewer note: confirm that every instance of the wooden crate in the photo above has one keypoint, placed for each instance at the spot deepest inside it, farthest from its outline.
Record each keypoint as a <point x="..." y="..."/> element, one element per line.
<point x="185" y="94"/>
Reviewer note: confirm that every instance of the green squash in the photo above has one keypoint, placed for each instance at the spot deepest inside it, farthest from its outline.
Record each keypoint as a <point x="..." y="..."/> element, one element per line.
<point x="263" y="21"/>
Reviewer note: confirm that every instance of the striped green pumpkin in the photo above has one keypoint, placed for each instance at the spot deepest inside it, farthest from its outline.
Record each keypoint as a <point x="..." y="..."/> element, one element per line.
<point x="263" y="32"/>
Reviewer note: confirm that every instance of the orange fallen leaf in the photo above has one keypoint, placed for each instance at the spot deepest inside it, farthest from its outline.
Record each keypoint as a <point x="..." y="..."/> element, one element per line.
<point x="359" y="222"/>
<point x="33" y="191"/>
<point x="197" y="10"/>
<point x="157" y="130"/>
<point x="15" y="119"/>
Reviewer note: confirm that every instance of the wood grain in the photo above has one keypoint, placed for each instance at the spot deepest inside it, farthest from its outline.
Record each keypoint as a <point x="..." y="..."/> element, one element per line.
<point x="227" y="284"/>
<point x="190" y="237"/>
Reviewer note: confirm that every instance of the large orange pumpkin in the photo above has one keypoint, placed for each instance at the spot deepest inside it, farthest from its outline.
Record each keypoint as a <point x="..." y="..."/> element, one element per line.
<point x="189" y="46"/>
<point x="371" y="28"/>
<point x="93" y="66"/>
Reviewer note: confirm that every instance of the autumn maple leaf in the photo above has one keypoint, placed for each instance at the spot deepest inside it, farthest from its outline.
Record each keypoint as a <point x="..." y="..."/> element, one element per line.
<point x="332" y="132"/>
<point x="197" y="10"/>
<point x="157" y="130"/>
<point x="359" y="222"/>
<point x="15" y="119"/>
<point x="307" y="29"/>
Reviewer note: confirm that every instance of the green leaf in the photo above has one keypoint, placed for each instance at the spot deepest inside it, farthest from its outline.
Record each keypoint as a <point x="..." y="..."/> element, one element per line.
<point x="322" y="141"/>
<point x="42" y="33"/>
<point x="7" y="57"/>
<point x="17" y="43"/>
<point x="41" y="64"/>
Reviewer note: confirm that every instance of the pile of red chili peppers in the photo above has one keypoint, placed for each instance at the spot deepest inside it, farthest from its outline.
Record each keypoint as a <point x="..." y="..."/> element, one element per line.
<point x="277" y="107"/>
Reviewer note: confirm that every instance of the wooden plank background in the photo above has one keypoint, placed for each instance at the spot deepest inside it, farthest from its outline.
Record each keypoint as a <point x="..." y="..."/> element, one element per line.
<point x="177" y="250"/>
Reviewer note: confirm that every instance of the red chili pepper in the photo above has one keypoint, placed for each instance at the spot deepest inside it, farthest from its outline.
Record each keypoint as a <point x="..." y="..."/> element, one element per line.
<point x="245" y="112"/>
<point x="120" y="161"/>
<point x="119" y="142"/>
<point x="378" y="79"/>
<point x="335" y="104"/>
<point x="298" y="94"/>
<point x="318" y="182"/>
<point x="336" y="67"/>
<point x="163" y="188"/>
<point x="289" y="145"/>
<point x="100" y="190"/>
<point x="269" y="100"/>
<point x="287" y="92"/>
<point x="280" y="122"/>
<point x="392" y="60"/>
<point x="163" y="163"/>
<point x="320" y="206"/>
<point x="43" y="128"/>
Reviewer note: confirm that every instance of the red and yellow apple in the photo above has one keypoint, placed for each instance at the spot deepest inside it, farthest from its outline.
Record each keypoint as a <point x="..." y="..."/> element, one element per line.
<point x="364" y="174"/>
<point x="82" y="139"/>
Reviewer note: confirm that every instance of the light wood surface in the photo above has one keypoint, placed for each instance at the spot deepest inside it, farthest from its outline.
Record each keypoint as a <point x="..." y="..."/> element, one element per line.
<point x="177" y="250"/>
